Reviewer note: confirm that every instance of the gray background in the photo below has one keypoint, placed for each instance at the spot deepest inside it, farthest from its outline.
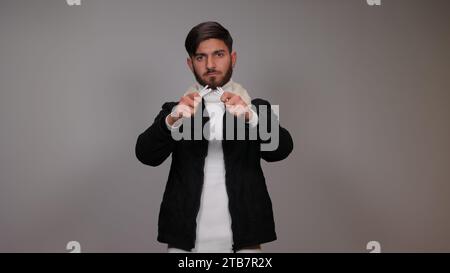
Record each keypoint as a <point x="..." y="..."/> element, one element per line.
<point x="363" y="90"/>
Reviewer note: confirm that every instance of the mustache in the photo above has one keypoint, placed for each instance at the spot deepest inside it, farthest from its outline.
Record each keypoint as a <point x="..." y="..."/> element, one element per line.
<point x="212" y="71"/>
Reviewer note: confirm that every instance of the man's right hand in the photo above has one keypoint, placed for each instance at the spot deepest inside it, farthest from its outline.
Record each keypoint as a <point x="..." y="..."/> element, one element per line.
<point x="186" y="107"/>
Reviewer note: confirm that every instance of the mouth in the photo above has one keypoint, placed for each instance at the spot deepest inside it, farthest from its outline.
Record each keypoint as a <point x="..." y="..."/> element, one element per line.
<point x="212" y="74"/>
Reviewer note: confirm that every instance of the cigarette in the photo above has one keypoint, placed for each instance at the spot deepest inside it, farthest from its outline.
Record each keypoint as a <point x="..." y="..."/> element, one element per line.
<point x="204" y="91"/>
<point x="220" y="91"/>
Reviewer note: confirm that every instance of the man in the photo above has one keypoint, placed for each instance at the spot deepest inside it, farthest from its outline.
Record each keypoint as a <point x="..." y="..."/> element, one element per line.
<point x="216" y="199"/>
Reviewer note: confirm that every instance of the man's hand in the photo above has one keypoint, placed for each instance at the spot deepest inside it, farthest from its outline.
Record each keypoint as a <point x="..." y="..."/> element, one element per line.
<point x="236" y="105"/>
<point x="187" y="106"/>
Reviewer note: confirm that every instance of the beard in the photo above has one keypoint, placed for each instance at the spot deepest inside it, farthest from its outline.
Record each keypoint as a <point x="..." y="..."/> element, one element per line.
<point x="213" y="81"/>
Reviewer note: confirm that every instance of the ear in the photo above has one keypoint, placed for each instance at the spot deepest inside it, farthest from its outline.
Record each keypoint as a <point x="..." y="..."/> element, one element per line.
<point x="233" y="58"/>
<point x="189" y="63"/>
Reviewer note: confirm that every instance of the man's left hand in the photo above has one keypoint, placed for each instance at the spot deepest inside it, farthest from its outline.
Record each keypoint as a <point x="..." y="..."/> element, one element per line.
<point x="236" y="105"/>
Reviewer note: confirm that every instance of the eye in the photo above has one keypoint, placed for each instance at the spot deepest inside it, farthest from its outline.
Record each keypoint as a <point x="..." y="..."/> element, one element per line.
<point x="220" y="54"/>
<point x="199" y="58"/>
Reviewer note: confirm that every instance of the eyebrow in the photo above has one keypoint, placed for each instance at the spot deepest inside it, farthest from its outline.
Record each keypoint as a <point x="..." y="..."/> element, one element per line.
<point x="204" y="54"/>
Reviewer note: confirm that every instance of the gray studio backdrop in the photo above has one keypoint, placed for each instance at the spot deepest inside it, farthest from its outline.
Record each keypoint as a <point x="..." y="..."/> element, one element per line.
<point x="364" y="91"/>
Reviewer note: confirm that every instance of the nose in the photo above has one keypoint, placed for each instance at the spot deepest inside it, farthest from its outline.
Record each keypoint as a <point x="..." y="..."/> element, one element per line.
<point x="210" y="64"/>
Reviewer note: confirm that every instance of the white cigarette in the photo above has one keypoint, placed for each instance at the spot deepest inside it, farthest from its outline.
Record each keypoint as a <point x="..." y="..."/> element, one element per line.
<point x="204" y="91"/>
<point x="220" y="91"/>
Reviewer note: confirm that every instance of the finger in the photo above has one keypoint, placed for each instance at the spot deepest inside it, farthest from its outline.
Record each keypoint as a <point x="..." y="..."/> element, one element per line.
<point x="237" y="110"/>
<point x="231" y="108"/>
<point x="186" y="100"/>
<point x="196" y="98"/>
<point x="226" y="96"/>
<point x="240" y="110"/>
<point x="193" y="95"/>
<point x="185" y="110"/>
<point x="235" y="100"/>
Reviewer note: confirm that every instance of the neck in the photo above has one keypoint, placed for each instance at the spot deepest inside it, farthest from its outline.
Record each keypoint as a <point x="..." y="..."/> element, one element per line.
<point x="225" y="86"/>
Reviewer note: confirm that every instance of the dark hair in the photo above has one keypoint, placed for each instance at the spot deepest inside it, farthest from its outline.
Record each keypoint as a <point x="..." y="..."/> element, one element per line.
<point x="205" y="31"/>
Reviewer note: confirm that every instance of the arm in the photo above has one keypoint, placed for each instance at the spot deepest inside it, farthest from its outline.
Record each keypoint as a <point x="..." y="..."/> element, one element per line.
<point x="284" y="145"/>
<point x="155" y="144"/>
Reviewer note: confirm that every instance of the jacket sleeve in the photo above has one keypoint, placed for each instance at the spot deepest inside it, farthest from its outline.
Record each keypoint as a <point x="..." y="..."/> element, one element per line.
<point x="155" y="144"/>
<point x="285" y="143"/>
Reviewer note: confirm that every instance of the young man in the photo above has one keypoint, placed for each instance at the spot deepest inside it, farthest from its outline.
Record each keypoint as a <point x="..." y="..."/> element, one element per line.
<point x="216" y="199"/>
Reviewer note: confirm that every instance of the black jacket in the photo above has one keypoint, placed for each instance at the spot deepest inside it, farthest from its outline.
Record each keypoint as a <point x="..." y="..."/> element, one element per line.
<point x="249" y="202"/>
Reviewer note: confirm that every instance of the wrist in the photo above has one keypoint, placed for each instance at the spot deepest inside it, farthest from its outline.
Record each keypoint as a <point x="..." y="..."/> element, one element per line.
<point x="171" y="119"/>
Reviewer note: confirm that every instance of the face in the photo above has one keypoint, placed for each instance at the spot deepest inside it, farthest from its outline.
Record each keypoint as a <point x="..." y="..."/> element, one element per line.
<point x="212" y="63"/>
